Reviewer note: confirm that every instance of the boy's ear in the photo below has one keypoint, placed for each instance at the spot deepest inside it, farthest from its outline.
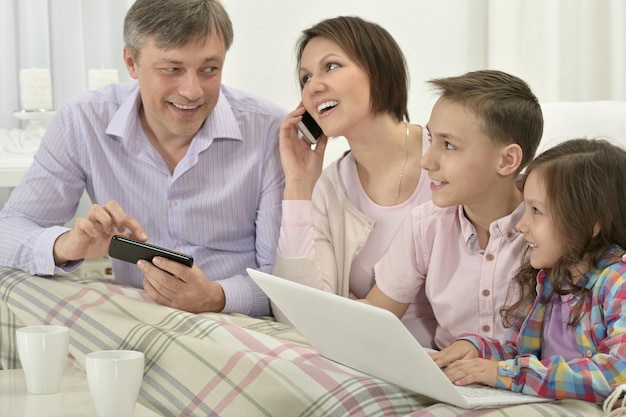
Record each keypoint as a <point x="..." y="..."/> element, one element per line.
<point x="510" y="160"/>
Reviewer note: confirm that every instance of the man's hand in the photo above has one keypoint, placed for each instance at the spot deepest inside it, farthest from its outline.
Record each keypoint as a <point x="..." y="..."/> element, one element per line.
<point x="175" y="285"/>
<point x="91" y="235"/>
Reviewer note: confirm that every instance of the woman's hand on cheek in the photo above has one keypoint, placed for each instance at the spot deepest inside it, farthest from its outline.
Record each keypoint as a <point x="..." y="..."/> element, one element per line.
<point x="302" y="164"/>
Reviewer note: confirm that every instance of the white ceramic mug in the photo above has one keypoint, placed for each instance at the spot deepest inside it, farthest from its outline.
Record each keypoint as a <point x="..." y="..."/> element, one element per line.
<point x="114" y="378"/>
<point x="43" y="353"/>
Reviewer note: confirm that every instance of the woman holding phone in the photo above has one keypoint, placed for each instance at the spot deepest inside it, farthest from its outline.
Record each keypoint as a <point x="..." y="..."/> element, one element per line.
<point x="338" y="223"/>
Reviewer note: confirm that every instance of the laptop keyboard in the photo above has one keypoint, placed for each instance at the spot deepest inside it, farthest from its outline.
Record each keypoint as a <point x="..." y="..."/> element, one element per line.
<point x="477" y="391"/>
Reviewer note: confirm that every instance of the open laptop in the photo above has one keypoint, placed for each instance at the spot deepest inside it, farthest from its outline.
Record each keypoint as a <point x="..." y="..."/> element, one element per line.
<point x="374" y="341"/>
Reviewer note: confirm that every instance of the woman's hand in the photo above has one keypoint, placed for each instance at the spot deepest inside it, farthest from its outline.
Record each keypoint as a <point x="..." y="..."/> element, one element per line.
<point x="301" y="163"/>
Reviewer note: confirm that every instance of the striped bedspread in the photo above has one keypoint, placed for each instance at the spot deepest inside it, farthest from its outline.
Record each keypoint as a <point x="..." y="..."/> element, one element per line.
<point x="216" y="364"/>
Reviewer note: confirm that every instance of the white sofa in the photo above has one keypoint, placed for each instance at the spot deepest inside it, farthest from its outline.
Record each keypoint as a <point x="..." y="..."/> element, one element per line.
<point x="584" y="119"/>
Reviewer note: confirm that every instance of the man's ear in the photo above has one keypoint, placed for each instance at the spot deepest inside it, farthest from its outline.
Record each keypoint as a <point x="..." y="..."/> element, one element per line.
<point x="131" y="64"/>
<point x="511" y="158"/>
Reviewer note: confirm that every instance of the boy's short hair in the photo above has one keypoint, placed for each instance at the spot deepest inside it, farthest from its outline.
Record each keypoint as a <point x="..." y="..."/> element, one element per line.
<point x="174" y="23"/>
<point x="374" y="50"/>
<point x="508" y="108"/>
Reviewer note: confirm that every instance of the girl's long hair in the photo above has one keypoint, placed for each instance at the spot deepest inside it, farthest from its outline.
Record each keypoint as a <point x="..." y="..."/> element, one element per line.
<point x="585" y="181"/>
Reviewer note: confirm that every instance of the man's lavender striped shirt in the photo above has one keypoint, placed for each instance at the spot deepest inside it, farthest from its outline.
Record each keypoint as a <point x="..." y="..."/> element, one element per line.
<point x="222" y="203"/>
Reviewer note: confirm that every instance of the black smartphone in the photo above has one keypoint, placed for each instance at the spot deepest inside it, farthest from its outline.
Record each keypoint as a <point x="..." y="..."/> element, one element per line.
<point x="130" y="250"/>
<point x="309" y="128"/>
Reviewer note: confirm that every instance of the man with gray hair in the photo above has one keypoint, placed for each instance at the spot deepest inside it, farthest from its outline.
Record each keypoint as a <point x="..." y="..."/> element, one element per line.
<point x="172" y="157"/>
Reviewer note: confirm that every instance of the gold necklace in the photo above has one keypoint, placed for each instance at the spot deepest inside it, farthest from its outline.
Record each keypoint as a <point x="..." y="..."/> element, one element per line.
<point x="404" y="157"/>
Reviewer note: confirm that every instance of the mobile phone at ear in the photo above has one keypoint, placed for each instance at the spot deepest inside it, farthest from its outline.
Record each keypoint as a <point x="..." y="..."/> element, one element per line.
<point x="311" y="131"/>
<point x="130" y="250"/>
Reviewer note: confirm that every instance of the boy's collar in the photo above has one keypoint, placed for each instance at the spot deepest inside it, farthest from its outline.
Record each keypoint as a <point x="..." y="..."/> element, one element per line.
<point x="504" y="226"/>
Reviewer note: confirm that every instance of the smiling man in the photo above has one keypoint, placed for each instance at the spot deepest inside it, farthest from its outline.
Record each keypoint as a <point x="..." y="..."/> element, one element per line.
<point x="172" y="157"/>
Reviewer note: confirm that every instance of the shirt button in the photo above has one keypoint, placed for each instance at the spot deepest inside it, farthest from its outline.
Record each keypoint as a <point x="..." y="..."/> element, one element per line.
<point x="506" y="367"/>
<point x="486" y="328"/>
<point x="588" y="353"/>
<point x="180" y="242"/>
<point x="490" y="257"/>
<point x="173" y="203"/>
<point x="509" y="234"/>
<point x="486" y="293"/>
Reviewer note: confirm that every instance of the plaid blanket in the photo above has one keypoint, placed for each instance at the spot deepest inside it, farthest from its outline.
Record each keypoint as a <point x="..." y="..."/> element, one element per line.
<point x="216" y="364"/>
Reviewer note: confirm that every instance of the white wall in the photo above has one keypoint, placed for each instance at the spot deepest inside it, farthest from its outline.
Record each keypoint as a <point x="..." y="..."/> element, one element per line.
<point x="432" y="34"/>
<point x="565" y="49"/>
<point x="438" y="39"/>
<point x="546" y="42"/>
<point x="262" y="58"/>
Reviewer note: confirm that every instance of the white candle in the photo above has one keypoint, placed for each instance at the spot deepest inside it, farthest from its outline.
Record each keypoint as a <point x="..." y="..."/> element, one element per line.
<point x="35" y="89"/>
<point x="97" y="78"/>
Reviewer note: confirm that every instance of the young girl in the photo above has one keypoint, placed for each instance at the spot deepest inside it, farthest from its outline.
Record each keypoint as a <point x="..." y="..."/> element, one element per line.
<point x="568" y="335"/>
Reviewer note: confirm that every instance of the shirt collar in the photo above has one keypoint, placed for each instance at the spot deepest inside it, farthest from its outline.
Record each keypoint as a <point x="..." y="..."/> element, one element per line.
<point x="504" y="226"/>
<point x="123" y="124"/>
<point x="220" y="123"/>
<point x="611" y="256"/>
